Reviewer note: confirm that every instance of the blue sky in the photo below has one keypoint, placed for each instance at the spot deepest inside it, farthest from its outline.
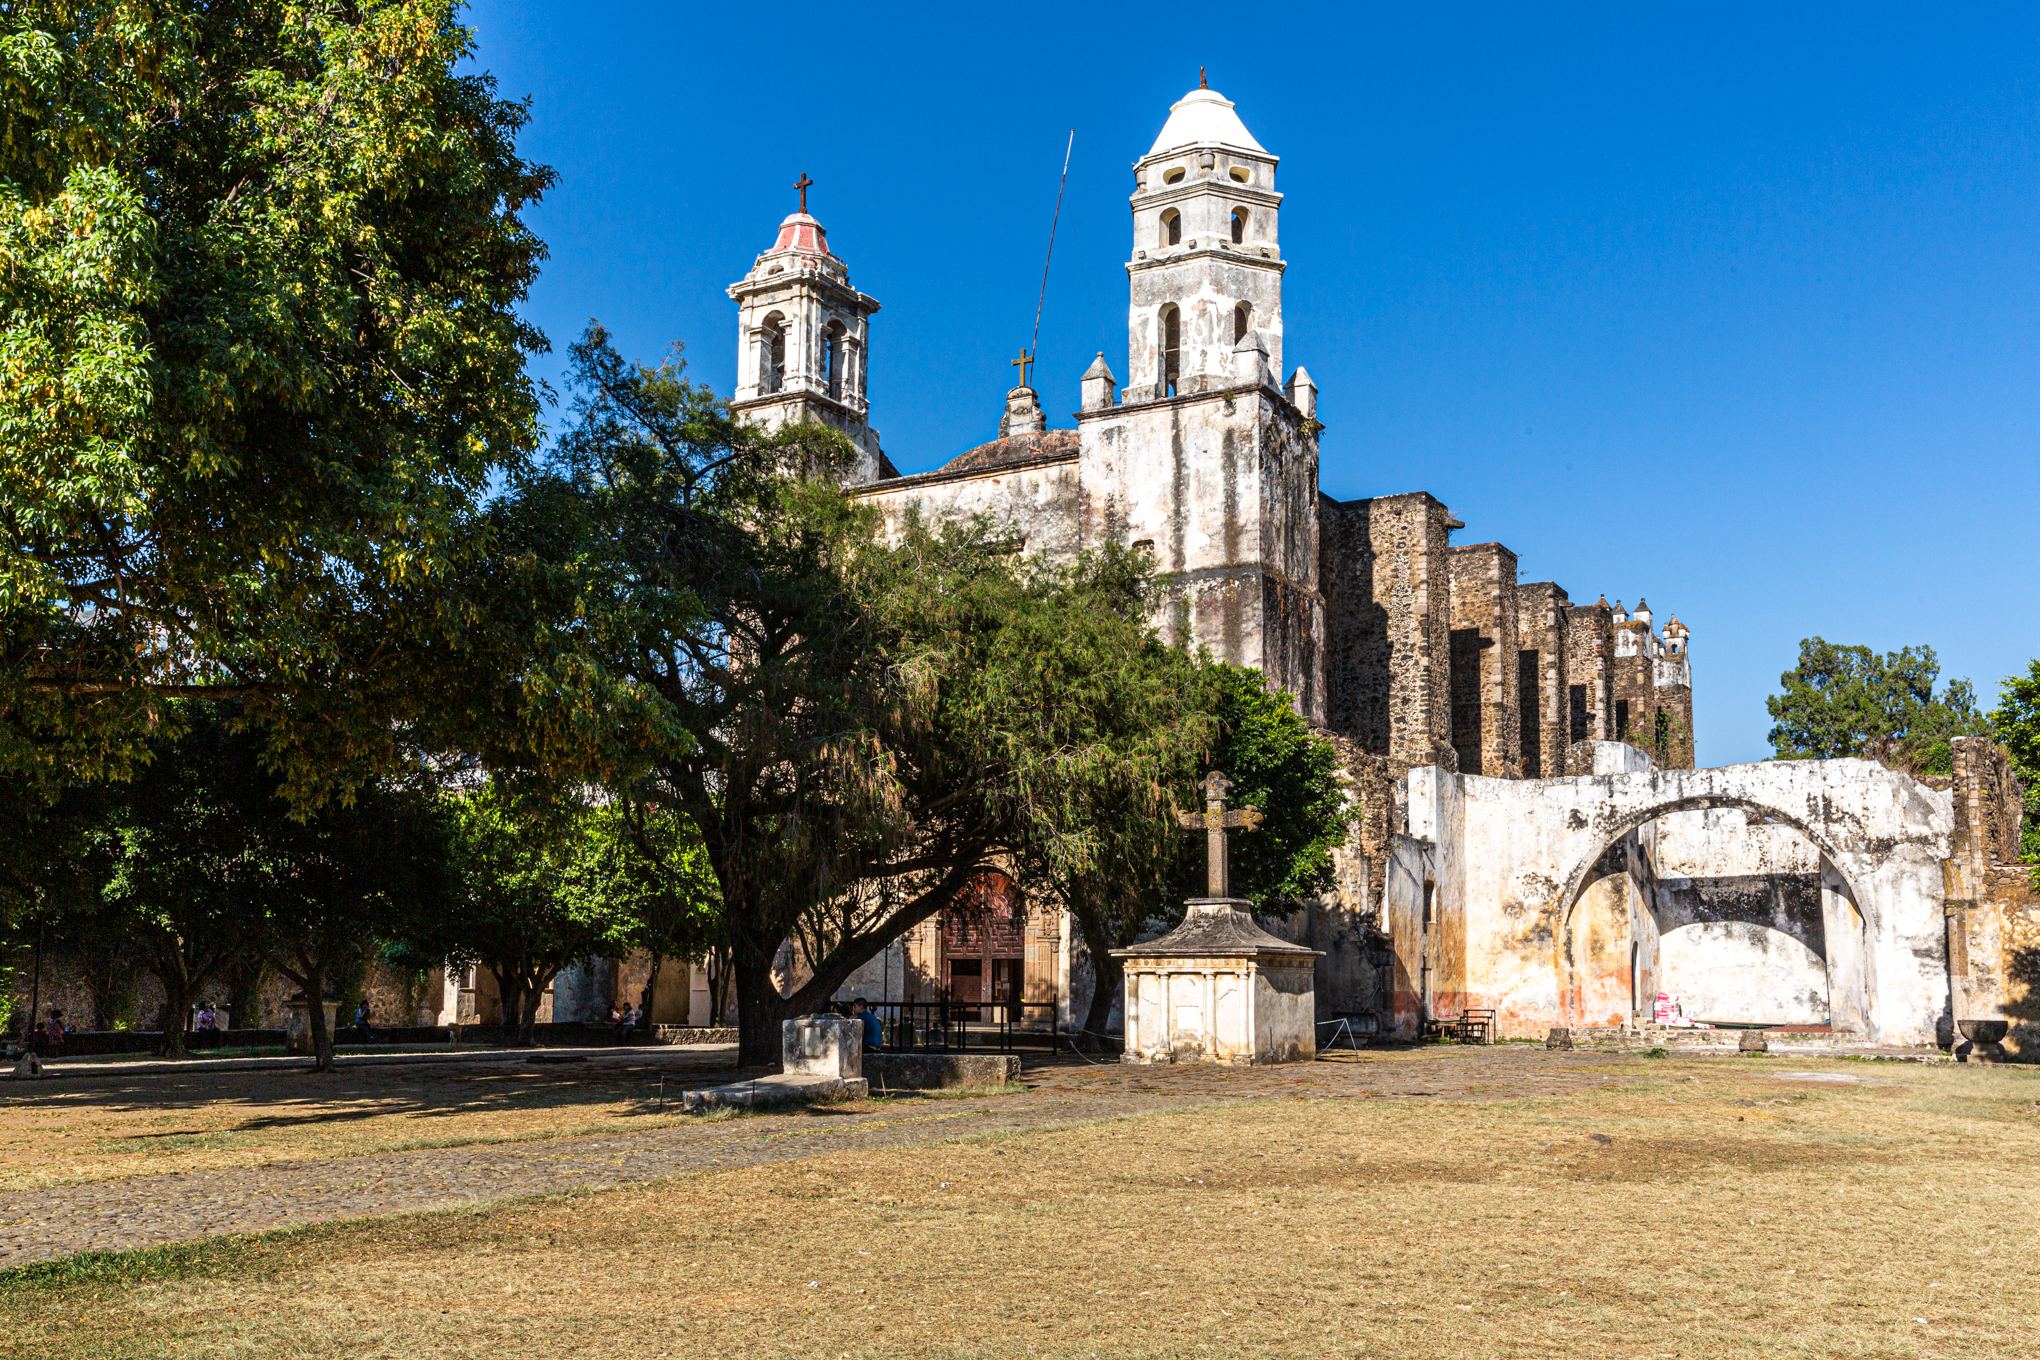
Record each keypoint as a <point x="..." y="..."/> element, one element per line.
<point x="1734" y="308"/>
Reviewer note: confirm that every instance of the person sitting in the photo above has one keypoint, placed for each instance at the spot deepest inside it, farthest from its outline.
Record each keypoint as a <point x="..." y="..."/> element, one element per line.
<point x="874" y="1032"/>
<point x="52" y="1036"/>
<point x="361" y="1021"/>
<point x="626" y="1023"/>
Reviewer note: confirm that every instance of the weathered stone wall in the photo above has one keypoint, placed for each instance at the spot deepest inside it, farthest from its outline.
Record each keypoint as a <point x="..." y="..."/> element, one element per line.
<point x="1383" y="566"/>
<point x="1589" y="656"/>
<point x="1486" y="727"/>
<point x="1541" y="696"/>
<point x="1037" y="501"/>
<point x="1514" y="858"/>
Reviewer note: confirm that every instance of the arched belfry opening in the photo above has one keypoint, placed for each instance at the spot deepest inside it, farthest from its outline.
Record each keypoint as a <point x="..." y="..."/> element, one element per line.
<point x="1172" y="348"/>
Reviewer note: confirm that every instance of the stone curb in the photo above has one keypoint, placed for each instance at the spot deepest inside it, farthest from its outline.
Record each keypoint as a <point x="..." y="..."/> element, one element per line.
<point x="162" y="1067"/>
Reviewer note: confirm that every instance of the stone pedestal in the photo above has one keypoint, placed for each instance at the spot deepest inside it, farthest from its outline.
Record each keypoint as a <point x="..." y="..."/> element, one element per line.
<point x="821" y="1057"/>
<point x="1219" y="989"/>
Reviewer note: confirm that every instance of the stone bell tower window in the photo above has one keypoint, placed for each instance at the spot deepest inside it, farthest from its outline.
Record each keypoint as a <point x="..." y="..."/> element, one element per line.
<point x="1239" y="225"/>
<point x="832" y="359"/>
<point x="1242" y="321"/>
<point x="772" y="375"/>
<point x="1172" y="228"/>
<point x="1172" y="346"/>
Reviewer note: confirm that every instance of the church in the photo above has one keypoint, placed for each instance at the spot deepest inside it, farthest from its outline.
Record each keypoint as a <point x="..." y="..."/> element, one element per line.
<point x="1408" y="649"/>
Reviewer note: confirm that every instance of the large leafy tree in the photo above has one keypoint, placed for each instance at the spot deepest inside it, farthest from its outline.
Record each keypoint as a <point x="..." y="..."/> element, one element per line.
<point x="856" y="726"/>
<point x="1850" y="701"/>
<point x="259" y="358"/>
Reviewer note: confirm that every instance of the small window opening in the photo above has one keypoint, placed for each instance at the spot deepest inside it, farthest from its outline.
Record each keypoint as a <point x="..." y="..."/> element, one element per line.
<point x="1172" y="340"/>
<point x="1242" y="321"/>
<point x="1240" y="175"/>
<point x="1239" y="225"/>
<point x="1173" y="176"/>
<point x="1172" y="228"/>
<point x="1621" y="720"/>
<point x="775" y="353"/>
<point x="832" y="359"/>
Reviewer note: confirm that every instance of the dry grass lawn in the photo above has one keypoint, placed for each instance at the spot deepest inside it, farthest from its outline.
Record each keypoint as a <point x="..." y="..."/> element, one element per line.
<point x="85" y="1129"/>
<point x="1695" y="1208"/>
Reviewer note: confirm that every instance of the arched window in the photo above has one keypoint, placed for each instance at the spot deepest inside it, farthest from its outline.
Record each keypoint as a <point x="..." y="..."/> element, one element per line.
<point x="1241" y="175"/>
<point x="1242" y="321"/>
<point x="833" y="359"/>
<point x="772" y="356"/>
<point x="1239" y="225"/>
<point x="1172" y="346"/>
<point x="1172" y="228"/>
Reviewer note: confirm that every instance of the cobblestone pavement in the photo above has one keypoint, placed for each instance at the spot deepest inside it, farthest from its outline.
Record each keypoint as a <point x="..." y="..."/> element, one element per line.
<point x="145" y="1211"/>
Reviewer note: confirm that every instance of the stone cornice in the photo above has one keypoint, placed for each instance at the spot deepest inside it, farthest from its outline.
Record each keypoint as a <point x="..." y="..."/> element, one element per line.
<point x="1235" y="254"/>
<point x="939" y="476"/>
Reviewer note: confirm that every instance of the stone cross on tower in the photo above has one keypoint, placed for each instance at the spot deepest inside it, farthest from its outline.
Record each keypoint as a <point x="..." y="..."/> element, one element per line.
<point x="1214" y="821"/>
<point x="803" y="184"/>
<point x="1021" y="363"/>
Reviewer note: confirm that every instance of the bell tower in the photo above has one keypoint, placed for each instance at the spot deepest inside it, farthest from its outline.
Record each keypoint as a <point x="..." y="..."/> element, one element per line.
<point x="803" y="336"/>
<point x="1206" y="268"/>
<point x="1206" y="459"/>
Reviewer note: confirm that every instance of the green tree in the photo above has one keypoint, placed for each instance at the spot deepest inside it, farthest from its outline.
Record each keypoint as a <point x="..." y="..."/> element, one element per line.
<point x="185" y="880"/>
<point x="2016" y="723"/>
<point x="260" y="357"/>
<point x="336" y="886"/>
<point x="856" y="726"/>
<point x="1146" y="866"/>
<point x="1277" y="764"/>
<point x="538" y="882"/>
<point x="1849" y="701"/>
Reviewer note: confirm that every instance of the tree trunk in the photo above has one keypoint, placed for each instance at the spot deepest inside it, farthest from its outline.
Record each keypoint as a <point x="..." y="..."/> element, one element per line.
<point x="527" y="1017"/>
<point x="1109" y="981"/>
<point x="645" y="996"/>
<point x="314" y="984"/>
<point x="760" y="1009"/>
<point x="177" y="994"/>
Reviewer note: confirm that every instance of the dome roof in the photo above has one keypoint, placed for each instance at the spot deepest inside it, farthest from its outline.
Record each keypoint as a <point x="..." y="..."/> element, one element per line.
<point x="1018" y="448"/>
<point x="802" y="233"/>
<point x="1201" y="117"/>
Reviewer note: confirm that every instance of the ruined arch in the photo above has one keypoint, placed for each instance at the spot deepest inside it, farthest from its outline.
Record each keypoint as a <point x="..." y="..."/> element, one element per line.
<point x="1835" y="973"/>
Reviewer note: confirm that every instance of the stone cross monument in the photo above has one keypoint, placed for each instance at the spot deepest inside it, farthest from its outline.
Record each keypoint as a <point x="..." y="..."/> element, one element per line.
<point x="1218" y="988"/>
<point x="1214" y="822"/>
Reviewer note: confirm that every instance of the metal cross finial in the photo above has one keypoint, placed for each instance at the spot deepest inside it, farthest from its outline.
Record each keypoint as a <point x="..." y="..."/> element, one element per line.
<point x="1021" y="363"/>
<point x="1200" y="79"/>
<point x="1214" y="822"/>
<point x="803" y="184"/>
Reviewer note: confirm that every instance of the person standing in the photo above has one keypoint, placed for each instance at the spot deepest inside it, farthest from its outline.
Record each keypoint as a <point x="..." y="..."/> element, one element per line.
<point x="361" y="1017"/>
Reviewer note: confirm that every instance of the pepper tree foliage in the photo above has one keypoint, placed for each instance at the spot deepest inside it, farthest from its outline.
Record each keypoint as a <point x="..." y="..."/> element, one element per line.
<point x="857" y="724"/>
<point x="2016" y="723"/>
<point x="259" y="359"/>
<point x="1849" y="701"/>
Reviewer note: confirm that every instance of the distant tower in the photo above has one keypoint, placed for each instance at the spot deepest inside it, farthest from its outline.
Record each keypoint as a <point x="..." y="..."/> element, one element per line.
<point x="803" y="340"/>
<point x="1209" y="461"/>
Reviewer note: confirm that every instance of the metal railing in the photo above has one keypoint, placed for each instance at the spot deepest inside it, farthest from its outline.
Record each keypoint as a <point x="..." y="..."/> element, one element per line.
<point x="953" y="1026"/>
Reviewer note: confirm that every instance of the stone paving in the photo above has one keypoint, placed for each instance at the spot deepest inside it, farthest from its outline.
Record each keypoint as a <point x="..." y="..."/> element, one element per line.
<point x="145" y="1211"/>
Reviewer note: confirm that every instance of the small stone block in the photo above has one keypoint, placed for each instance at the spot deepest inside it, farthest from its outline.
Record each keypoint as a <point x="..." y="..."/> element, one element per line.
<point x="1558" y="1038"/>
<point x="1753" y="1041"/>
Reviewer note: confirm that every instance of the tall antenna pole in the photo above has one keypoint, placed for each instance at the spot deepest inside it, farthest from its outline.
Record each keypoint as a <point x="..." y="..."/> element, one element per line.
<point x="1035" y="348"/>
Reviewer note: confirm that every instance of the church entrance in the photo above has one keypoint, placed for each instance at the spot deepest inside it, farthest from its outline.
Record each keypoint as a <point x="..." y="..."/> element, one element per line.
<point x="984" y="947"/>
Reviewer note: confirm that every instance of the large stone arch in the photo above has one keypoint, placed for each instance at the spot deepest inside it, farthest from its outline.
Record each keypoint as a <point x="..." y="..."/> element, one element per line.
<point x="1513" y="856"/>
